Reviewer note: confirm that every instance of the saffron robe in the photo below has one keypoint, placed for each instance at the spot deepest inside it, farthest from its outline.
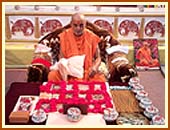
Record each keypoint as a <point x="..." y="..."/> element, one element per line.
<point x="145" y="58"/>
<point x="71" y="45"/>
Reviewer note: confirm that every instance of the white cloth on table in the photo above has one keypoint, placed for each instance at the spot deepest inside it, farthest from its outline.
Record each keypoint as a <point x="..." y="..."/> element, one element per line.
<point x="89" y="120"/>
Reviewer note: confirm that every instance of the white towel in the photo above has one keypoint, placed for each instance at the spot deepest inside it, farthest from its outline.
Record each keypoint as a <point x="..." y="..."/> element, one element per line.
<point x="117" y="48"/>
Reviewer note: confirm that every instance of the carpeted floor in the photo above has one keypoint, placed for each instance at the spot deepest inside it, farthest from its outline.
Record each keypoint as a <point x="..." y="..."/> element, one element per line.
<point x="154" y="83"/>
<point x="14" y="75"/>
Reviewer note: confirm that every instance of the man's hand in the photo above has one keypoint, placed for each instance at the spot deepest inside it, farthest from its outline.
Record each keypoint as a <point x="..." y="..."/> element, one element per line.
<point x="96" y="63"/>
<point x="92" y="72"/>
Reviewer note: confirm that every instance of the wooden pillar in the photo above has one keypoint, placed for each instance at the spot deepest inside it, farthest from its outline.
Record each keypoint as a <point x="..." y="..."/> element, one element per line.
<point x="115" y="33"/>
<point x="37" y="28"/>
<point x="142" y="28"/>
<point x="7" y="28"/>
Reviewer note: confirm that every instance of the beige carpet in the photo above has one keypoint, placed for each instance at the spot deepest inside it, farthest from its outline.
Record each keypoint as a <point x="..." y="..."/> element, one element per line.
<point x="154" y="83"/>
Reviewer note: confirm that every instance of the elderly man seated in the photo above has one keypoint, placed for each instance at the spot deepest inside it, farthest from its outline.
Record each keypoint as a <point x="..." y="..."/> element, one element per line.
<point x="78" y="41"/>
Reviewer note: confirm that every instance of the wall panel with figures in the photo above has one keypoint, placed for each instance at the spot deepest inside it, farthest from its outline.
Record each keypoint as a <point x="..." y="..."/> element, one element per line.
<point x="123" y="28"/>
<point x="105" y="22"/>
<point x="48" y="24"/>
<point x="27" y="26"/>
<point x="129" y="27"/>
<point x="154" y="27"/>
<point x="22" y="27"/>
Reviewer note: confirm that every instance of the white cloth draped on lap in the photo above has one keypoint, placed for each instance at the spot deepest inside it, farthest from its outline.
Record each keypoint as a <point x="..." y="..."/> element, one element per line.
<point x="72" y="66"/>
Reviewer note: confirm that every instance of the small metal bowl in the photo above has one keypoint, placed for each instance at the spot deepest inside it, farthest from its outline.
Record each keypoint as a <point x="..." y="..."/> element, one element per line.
<point x="39" y="116"/>
<point x="74" y="114"/>
<point x="110" y="114"/>
<point x="158" y="120"/>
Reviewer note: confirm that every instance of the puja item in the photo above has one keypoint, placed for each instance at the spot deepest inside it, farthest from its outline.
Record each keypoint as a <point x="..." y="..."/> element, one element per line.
<point x="132" y="119"/>
<point x="44" y="95"/>
<point x="59" y="106"/>
<point x="75" y="94"/>
<point x="97" y="87"/>
<point x="97" y="96"/>
<point x="25" y="103"/>
<point x="55" y="87"/>
<point x="69" y="95"/>
<point x="74" y="114"/>
<point x="120" y="87"/>
<point x="158" y="120"/>
<point x="19" y="117"/>
<point x="24" y="106"/>
<point x="134" y="81"/>
<point x="141" y="94"/>
<point x="82" y="96"/>
<point x="151" y="111"/>
<point x="91" y="106"/>
<point x="44" y="83"/>
<point x="83" y="87"/>
<point x="48" y="105"/>
<point x="145" y="102"/>
<point x="103" y="106"/>
<point x="69" y="87"/>
<point x="110" y="115"/>
<point x="137" y="87"/>
<point x="45" y="105"/>
<point x="83" y="108"/>
<point x="39" y="116"/>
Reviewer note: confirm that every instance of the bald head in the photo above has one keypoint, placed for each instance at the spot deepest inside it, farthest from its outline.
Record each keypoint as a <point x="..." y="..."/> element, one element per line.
<point x="78" y="24"/>
<point x="78" y="16"/>
<point x="145" y="44"/>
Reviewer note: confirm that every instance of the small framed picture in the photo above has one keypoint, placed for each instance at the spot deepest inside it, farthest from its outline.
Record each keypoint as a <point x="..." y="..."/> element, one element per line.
<point x="146" y="53"/>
